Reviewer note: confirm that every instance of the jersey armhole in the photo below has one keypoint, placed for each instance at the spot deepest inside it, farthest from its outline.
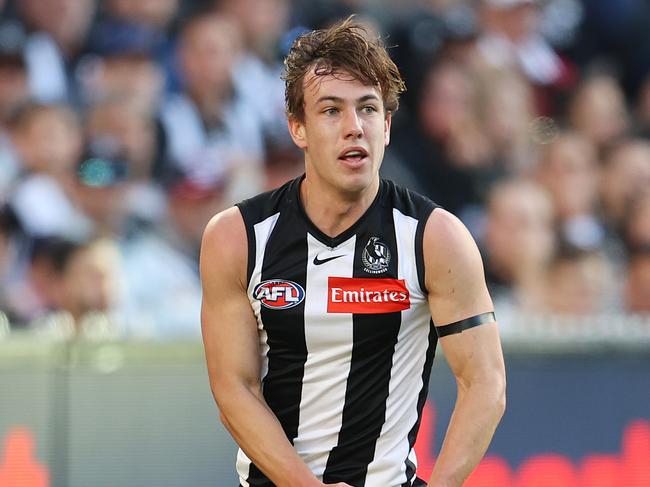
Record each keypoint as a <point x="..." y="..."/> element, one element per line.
<point x="250" y="238"/>
<point x="419" y="249"/>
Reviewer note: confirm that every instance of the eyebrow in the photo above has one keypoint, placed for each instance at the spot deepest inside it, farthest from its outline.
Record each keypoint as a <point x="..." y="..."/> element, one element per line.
<point x="338" y="99"/>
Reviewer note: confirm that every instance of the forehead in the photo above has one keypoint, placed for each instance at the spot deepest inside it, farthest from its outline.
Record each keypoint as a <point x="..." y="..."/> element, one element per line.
<point x="341" y="85"/>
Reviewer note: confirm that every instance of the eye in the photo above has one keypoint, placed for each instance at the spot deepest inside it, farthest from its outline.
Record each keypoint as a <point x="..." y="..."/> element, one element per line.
<point x="331" y="111"/>
<point x="369" y="109"/>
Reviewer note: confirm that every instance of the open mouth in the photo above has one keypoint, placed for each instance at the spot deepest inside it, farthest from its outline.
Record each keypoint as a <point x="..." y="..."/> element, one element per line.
<point x="354" y="155"/>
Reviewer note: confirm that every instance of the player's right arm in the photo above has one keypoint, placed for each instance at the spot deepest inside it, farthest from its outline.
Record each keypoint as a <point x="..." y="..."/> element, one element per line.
<point x="232" y="354"/>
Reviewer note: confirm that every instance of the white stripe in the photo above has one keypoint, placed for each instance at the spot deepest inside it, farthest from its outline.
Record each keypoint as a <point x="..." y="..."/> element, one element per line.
<point x="263" y="231"/>
<point x="243" y="465"/>
<point x="392" y="448"/>
<point x="414" y="461"/>
<point x="329" y="353"/>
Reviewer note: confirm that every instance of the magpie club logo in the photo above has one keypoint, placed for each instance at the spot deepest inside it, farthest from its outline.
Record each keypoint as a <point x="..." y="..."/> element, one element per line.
<point x="375" y="256"/>
<point x="279" y="294"/>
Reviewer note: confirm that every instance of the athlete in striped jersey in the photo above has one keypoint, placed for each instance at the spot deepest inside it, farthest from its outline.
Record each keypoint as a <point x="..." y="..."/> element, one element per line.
<point x="325" y="299"/>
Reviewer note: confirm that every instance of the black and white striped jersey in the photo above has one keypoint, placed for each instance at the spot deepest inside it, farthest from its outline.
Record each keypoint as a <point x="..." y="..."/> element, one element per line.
<point x="345" y="334"/>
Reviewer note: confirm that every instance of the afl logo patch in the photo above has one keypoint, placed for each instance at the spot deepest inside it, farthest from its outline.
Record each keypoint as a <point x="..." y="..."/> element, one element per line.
<point x="279" y="294"/>
<point x="375" y="256"/>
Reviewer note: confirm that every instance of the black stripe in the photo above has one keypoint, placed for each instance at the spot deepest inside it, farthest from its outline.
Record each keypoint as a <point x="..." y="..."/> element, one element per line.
<point x="285" y="258"/>
<point x="419" y="252"/>
<point x="250" y="237"/>
<point x="466" y="324"/>
<point x="415" y="206"/>
<point x="259" y="208"/>
<point x="410" y="471"/>
<point x="422" y="398"/>
<point x="374" y="339"/>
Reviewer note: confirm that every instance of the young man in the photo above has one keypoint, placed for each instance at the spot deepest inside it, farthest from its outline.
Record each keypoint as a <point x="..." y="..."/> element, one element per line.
<point x="324" y="300"/>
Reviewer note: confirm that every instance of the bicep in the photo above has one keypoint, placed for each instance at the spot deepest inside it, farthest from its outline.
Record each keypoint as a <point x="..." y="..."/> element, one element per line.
<point x="228" y="324"/>
<point x="460" y="305"/>
<point x="453" y="271"/>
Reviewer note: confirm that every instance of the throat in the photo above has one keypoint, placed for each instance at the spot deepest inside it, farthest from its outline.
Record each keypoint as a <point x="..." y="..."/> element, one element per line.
<point x="334" y="213"/>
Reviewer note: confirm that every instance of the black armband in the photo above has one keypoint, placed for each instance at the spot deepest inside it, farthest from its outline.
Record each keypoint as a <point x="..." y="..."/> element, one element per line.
<point x="466" y="324"/>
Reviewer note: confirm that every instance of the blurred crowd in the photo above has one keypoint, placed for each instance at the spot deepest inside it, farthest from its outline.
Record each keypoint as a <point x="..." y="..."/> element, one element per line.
<point x="126" y="124"/>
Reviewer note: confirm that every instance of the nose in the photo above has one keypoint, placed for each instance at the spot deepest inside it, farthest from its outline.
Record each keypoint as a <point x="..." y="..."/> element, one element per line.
<point x="352" y="125"/>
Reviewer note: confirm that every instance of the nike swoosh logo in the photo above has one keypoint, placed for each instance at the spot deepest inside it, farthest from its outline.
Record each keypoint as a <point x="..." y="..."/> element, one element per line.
<point x="318" y="261"/>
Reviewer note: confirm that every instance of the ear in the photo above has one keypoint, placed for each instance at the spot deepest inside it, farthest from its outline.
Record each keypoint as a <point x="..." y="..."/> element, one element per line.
<point x="297" y="132"/>
<point x="387" y="122"/>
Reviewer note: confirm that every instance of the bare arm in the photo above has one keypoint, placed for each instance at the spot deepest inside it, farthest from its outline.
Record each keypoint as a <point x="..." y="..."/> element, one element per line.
<point x="231" y="349"/>
<point x="457" y="291"/>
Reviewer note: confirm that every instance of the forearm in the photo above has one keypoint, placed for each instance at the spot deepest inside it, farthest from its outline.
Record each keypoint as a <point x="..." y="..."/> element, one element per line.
<point x="258" y="432"/>
<point x="473" y="422"/>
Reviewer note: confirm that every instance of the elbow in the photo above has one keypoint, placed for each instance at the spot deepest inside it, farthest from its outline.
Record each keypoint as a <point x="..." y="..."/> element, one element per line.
<point x="229" y="396"/>
<point x="224" y="410"/>
<point x="220" y="394"/>
<point x="224" y="420"/>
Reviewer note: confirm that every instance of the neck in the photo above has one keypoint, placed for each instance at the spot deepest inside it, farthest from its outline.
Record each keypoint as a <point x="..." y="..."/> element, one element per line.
<point x="334" y="211"/>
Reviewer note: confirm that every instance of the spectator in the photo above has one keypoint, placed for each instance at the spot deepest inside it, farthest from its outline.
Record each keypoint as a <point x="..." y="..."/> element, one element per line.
<point x="74" y="281"/>
<point x="626" y="173"/>
<point x="191" y="205"/>
<point x="578" y="283"/>
<point x="47" y="142"/>
<point x="519" y="242"/>
<point x="448" y="151"/>
<point x="642" y="113"/>
<point x="511" y="38"/>
<point x="133" y="44"/>
<point x="636" y="224"/>
<point x="47" y="139"/>
<point x="14" y="90"/>
<point x="134" y="76"/>
<point x="637" y="282"/>
<point x="183" y="115"/>
<point x="568" y="169"/>
<point x="10" y="259"/>
<point x="57" y="34"/>
<point x="156" y="14"/>
<point x="210" y="132"/>
<point x="598" y="111"/>
<point x="506" y="109"/>
<point x="257" y="75"/>
<point x="131" y="129"/>
<point x="88" y="279"/>
<point x="101" y="188"/>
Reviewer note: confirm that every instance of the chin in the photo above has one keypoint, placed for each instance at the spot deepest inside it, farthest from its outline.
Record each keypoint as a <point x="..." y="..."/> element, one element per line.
<point x="355" y="183"/>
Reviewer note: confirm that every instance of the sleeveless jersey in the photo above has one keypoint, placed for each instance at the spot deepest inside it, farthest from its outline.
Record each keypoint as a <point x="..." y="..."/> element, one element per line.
<point x="345" y="334"/>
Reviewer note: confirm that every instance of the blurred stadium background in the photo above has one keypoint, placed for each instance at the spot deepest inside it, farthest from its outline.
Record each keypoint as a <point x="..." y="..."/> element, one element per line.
<point x="126" y="124"/>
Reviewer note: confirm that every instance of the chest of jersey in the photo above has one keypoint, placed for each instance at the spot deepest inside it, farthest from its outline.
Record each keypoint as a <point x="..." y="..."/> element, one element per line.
<point x="308" y="290"/>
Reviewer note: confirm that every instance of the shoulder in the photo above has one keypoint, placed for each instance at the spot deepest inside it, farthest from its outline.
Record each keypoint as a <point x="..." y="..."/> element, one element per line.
<point x="223" y="226"/>
<point x="449" y="249"/>
<point x="224" y="246"/>
<point x="446" y="228"/>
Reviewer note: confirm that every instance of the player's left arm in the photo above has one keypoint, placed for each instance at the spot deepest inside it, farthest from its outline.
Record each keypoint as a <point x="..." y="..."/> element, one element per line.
<point x="461" y="309"/>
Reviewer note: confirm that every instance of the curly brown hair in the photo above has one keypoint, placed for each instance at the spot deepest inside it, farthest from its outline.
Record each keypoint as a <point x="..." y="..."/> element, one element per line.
<point x="343" y="48"/>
